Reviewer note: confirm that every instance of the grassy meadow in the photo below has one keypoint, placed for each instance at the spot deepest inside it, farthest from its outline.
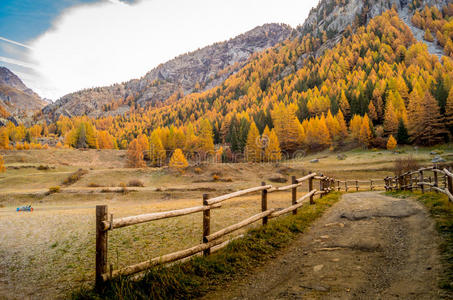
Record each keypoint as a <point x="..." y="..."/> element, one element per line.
<point x="50" y="252"/>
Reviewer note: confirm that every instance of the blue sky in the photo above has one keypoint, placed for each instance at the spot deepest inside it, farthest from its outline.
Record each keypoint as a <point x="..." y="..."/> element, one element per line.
<point x="61" y="46"/>
<point x="23" y="20"/>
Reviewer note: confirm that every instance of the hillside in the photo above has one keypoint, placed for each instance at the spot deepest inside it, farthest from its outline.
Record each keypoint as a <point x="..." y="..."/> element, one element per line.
<point x="378" y="71"/>
<point x="15" y="97"/>
<point x="370" y="83"/>
<point x="196" y="71"/>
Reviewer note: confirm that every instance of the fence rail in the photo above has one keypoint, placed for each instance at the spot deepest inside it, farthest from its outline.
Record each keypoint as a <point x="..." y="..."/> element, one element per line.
<point x="418" y="180"/>
<point x="212" y="241"/>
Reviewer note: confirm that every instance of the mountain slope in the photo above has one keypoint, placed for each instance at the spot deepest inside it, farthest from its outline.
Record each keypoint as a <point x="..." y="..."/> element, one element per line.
<point x="378" y="69"/>
<point x="196" y="71"/>
<point x="15" y="96"/>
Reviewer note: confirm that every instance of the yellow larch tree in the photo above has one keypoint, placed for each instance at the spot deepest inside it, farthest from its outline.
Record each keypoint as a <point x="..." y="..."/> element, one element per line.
<point x="332" y="125"/>
<point x="156" y="150"/>
<point x="391" y="143"/>
<point x="365" y="132"/>
<point x="253" y="147"/>
<point x="105" y="140"/>
<point x="344" y="104"/>
<point x="343" y="128"/>
<point x="4" y="139"/>
<point x="372" y="111"/>
<point x="206" y="137"/>
<point x="390" y="119"/>
<point x="135" y="154"/>
<point x="355" y="125"/>
<point x="178" y="161"/>
<point x="2" y="165"/>
<point x="449" y="112"/>
<point x="272" y="151"/>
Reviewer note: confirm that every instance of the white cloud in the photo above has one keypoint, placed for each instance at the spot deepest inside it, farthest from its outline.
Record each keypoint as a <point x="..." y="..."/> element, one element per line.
<point x="108" y="42"/>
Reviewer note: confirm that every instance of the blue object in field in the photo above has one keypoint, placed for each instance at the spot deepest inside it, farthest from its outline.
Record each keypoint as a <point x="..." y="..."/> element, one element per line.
<point x="25" y="208"/>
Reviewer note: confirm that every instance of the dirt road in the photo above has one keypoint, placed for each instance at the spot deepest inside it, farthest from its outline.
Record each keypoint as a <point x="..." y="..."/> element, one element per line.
<point x="367" y="246"/>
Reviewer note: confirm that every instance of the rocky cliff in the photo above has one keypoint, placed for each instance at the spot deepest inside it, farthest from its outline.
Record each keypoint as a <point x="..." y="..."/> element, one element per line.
<point x="15" y="97"/>
<point x="210" y="66"/>
<point x="191" y="72"/>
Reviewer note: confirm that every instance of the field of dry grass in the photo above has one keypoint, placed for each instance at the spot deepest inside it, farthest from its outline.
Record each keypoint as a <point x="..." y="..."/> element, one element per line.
<point x="51" y="250"/>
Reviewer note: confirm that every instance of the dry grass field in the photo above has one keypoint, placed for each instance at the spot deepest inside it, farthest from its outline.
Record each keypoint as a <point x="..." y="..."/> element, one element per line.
<point x="50" y="252"/>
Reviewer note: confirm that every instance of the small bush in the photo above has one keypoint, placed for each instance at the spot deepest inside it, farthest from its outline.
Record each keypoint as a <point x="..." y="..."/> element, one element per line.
<point x="136" y="183"/>
<point x="93" y="185"/>
<point x="403" y="165"/>
<point x="43" y="168"/>
<point x="197" y="170"/>
<point x="74" y="177"/>
<point x="124" y="189"/>
<point x="215" y="177"/>
<point x="54" y="189"/>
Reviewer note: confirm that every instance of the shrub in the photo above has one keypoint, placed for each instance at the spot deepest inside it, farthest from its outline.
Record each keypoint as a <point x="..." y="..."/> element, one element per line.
<point x="197" y="170"/>
<point x="74" y="177"/>
<point x="54" y="189"/>
<point x="92" y="184"/>
<point x="215" y="177"/>
<point x="43" y="168"/>
<point x="136" y="183"/>
<point x="403" y="165"/>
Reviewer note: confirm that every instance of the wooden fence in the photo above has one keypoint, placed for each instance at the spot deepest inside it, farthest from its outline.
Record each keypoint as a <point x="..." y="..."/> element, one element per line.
<point x="213" y="241"/>
<point x="432" y="179"/>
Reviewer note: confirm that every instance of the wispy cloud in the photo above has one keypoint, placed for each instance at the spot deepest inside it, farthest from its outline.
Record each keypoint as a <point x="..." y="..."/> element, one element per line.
<point x="16" y="62"/>
<point x="15" y="43"/>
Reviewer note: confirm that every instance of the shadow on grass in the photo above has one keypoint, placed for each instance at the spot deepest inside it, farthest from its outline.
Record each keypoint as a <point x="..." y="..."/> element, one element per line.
<point x="441" y="209"/>
<point x="202" y="274"/>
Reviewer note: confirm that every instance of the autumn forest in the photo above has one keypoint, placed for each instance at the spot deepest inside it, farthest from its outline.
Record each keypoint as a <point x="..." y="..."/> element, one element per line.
<point x="377" y="88"/>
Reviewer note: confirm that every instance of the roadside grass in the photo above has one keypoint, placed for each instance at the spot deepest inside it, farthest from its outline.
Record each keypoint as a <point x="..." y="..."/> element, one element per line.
<point x="441" y="209"/>
<point x="202" y="274"/>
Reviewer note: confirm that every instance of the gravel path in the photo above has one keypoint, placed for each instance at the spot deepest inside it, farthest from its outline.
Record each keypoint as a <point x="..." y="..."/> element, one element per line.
<point x="367" y="246"/>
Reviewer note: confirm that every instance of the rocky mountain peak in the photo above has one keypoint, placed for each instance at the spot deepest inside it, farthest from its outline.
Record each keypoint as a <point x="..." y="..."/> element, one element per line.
<point x="191" y="72"/>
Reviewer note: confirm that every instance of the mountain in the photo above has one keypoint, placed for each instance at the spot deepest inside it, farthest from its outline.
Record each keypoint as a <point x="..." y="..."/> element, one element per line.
<point x="192" y="72"/>
<point x="15" y="97"/>
<point x="375" y="71"/>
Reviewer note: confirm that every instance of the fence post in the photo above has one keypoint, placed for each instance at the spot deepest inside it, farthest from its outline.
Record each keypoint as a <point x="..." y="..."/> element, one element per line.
<point x="450" y="184"/>
<point x="101" y="244"/>
<point x="346" y="185"/>
<point x="294" y="193"/>
<point x="356" y="185"/>
<point x="206" y="223"/>
<point x="264" y="202"/>
<point x="338" y="184"/>
<point x="436" y="181"/>
<point x="321" y="186"/>
<point x="371" y="184"/>
<point x="430" y="182"/>
<point x="410" y="182"/>
<point x="422" y="180"/>
<point x="310" y="188"/>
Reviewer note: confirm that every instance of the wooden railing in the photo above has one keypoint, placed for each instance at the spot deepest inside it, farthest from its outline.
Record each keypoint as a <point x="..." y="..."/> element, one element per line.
<point x="431" y="178"/>
<point x="211" y="241"/>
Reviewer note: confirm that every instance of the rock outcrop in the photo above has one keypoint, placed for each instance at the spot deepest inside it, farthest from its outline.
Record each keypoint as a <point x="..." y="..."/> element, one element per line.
<point x="196" y="71"/>
<point x="15" y="97"/>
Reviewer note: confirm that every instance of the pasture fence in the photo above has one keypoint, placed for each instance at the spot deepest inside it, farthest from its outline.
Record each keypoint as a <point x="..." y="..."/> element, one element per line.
<point x="212" y="242"/>
<point x="430" y="178"/>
